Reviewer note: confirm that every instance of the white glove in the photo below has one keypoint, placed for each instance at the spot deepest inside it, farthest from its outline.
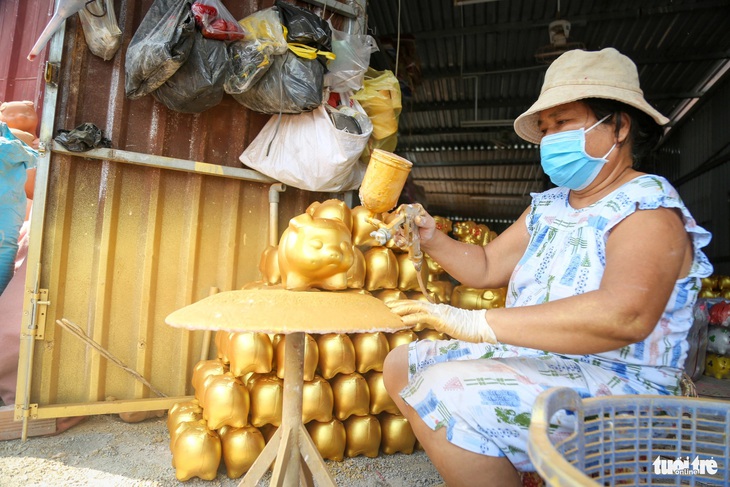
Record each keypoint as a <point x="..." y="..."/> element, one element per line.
<point x="469" y="325"/>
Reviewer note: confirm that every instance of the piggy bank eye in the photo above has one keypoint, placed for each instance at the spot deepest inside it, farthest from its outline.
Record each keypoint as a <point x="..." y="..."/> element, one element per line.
<point x="317" y="244"/>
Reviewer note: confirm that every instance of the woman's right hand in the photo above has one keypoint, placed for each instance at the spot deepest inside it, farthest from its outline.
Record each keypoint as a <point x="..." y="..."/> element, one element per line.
<point x="426" y="225"/>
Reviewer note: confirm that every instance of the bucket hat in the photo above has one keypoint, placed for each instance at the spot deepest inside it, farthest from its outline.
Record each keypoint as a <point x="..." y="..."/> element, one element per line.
<point x="577" y="75"/>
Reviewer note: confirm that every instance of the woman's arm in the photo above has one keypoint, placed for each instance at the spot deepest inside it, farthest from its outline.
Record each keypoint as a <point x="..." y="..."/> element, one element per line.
<point x="645" y="255"/>
<point x="475" y="266"/>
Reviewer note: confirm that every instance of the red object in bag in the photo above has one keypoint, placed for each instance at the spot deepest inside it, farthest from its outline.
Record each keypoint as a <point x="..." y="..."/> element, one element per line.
<point x="720" y="314"/>
<point x="215" y="21"/>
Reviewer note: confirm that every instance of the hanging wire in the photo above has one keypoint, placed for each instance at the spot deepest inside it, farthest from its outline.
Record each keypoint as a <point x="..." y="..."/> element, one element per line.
<point x="397" y="43"/>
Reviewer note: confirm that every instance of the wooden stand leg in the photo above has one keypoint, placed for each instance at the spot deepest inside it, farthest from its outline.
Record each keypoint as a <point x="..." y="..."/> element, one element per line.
<point x="297" y="460"/>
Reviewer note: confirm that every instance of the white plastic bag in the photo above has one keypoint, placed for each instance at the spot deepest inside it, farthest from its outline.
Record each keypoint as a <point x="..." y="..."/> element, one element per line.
<point x="306" y="151"/>
<point x="101" y="31"/>
<point x="347" y="71"/>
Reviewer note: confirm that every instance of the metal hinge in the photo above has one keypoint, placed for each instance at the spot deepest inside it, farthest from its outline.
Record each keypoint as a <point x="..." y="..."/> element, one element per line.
<point x="39" y="312"/>
<point x="51" y="73"/>
<point x="30" y="413"/>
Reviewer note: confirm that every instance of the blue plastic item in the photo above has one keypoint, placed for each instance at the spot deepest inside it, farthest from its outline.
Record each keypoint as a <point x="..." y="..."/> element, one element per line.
<point x="632" y="440"/>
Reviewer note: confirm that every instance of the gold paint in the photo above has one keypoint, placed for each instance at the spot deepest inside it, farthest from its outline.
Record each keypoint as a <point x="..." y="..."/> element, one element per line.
<point x="240" y="448"/>
<point x="430" y="334"/>
<point x="267" y="396"/>
<point x="329" y="438"/>
<point x="317" y="401"/>
<point x="311" y="357"/>
<point x="196" y="453"/>
<point x="443" y="224"/>
<point x="370" y="351"/>
<point x="472" y="233"/>
<point x="380" y="400"/>
<point x="381" y="269"/>
<point x="332" y="209"/>
<point x="227" y="402"/>
<point x="362" y="227"/>
<point x="336" y="354"/>
<point x="401" y="338"/>
<point x="315" y="252"/>
<point x="383" y="182"/>
<point x="356" y="273"/>
<point x="471" y="298"/>
<point x="221" y="345"/>
<point x="397" y="434"/>
<point x="351" y="395"/>
<point x="386" y="295"/>
<point x="268" y="431"/>
<point x="363" y="436"/>
<point x="434" y="268"/>
<point x="407" y="275"/>
<point x="204" y="370"/>
<point x="250" y="352"/>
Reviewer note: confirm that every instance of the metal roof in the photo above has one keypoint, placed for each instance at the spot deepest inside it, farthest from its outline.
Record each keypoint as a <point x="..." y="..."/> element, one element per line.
<point x="480" y="62"/>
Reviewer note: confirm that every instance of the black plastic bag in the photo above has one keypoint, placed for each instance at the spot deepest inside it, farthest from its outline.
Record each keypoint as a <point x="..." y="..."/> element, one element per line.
<point x="198" y="84"/>
<point x="291" y="85"/>
<point x="304" y="26"/>
<point x="85" y="137"/>
<point x="159" y="47"/>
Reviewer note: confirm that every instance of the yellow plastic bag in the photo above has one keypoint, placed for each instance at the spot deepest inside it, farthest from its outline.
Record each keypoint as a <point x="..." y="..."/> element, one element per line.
<point x="380" y="97"/>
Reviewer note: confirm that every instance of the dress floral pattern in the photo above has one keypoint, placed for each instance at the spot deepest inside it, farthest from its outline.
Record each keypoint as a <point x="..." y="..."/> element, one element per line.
<point x="483" y="394"/>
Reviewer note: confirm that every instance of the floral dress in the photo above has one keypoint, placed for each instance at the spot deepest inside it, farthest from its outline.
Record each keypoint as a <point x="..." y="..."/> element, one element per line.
<point x="483" y="394"/>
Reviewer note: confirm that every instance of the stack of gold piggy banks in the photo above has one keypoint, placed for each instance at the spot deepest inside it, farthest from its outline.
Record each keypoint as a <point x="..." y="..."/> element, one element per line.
<point x="238" y="396"/>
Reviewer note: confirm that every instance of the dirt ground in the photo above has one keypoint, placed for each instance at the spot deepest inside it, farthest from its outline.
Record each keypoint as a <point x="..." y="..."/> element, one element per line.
<point x="106" y="451"/>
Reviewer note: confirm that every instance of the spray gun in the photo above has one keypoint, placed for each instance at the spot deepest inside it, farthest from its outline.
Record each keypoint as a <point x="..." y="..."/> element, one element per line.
<point x="382" y="184"/>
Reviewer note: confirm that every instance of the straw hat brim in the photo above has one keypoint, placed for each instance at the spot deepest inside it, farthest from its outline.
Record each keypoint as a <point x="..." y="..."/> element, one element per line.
<point x="526" y="124"/>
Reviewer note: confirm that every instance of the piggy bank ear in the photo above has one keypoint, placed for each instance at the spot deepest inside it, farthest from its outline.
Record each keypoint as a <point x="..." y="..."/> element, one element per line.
<point x="301" y="221"/>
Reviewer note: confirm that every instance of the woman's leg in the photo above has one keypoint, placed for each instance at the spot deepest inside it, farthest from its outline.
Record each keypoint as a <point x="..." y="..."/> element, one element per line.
<point x="458" y="467"/>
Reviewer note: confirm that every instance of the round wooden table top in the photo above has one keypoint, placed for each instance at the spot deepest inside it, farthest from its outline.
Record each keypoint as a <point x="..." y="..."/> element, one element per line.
<point x="278" y="310"/>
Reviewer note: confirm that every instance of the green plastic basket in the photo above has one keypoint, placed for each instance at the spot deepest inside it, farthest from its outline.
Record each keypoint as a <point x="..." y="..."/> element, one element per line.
<point x="631" y="440"/>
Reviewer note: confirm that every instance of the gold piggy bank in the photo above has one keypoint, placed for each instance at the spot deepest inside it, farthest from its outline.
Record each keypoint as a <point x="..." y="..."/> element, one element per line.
<point x="329" y="438"/>
<point x="471" y="232"/>
<point x="441" y="290"/>
<point x="401" y="337"/>
<point x="240" y="448"/>
<point x="179" y="415"/>
<point x="351" y="395"/>
<point x="407" y="275"/>
<point x="362" y="227"/>
<point x="269" y="265"/>
<point x="311" y="356"/>
<point x="227" y="402"/>
<point x="356" y="274"/>
<point x="332" y="209"/>
<point x="370" y="351"/>
<point x="203" y="371"/>
<point x="380" y="400"/>
<point x="397" y="434"/>
<point x="381" y="269"/>
<point x="196" y="453"/>
<point x="221" y="345"/>
<point x="470" y="298"/>
<point x="250" y="352"/>
<point x="336" y="354"/>
<point x="363" y="436"/>
<point x="315" y="252"/>
<point x="317" y="400"/>
<point x="267" y="396"/>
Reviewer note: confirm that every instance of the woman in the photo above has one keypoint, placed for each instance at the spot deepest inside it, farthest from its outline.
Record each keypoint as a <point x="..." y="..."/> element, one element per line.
<point x="602" y="273"/>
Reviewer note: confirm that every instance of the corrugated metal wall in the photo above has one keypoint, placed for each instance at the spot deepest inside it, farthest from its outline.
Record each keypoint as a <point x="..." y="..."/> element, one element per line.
<point x="120" y="238"/>
<point x="698" y="162"/>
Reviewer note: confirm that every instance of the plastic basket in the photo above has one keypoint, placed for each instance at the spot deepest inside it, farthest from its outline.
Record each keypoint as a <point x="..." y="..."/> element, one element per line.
<point x="631" y="440"/>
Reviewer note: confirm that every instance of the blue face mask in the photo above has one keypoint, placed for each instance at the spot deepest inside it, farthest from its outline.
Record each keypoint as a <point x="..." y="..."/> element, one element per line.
<point x="564" y="159"/>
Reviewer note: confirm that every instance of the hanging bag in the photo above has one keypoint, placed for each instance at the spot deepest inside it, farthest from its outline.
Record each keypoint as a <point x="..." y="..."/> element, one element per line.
<point x="308" y="152"/>
<point x="100" y="28"/>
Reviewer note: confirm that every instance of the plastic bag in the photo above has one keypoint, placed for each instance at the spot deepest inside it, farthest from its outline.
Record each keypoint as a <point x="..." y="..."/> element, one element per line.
<point x="215" y="21"/>
<point x="85" y="137"/>
<point x="347" y="71"/>
<point x="159" y="47"/>
<point x="101" y="31"/>
<point x="306" y="151"/>
<point x="290" y="85"/>
<point x="198" y="84"/>
<point x="381" y="100"/>
<point x="250" y="58"/>
<point x="304" y="26"/>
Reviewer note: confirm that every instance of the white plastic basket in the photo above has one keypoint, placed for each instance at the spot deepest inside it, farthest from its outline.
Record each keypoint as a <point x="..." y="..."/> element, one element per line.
<point x="632" y="440"/>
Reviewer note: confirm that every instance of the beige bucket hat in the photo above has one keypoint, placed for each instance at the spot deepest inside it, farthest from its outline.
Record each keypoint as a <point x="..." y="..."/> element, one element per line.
<point x="576" y="75"/>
